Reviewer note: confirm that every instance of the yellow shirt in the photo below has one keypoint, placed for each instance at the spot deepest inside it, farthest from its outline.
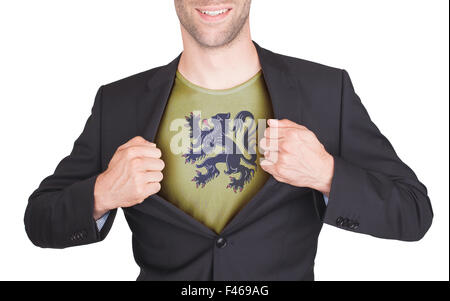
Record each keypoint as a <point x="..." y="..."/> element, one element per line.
<point x="208" y="143"/>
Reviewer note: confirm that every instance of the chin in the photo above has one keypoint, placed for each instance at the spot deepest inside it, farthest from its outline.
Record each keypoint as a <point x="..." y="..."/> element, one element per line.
<point x="215" y="39"/>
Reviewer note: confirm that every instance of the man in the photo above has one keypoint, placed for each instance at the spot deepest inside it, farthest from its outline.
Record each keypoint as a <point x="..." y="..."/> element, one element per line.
<point x="218" y="209"/>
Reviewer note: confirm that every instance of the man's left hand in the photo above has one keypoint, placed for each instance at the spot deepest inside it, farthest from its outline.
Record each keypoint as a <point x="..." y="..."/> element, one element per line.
<point x="294" y="155"/>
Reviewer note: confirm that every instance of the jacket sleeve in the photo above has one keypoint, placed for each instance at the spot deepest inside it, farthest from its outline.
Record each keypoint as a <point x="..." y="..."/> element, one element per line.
<point x="59" y="213"/>
<point x="373" y="191"/>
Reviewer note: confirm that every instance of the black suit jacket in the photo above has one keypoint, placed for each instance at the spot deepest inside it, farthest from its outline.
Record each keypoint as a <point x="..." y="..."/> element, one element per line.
<point x="274" y="237"/>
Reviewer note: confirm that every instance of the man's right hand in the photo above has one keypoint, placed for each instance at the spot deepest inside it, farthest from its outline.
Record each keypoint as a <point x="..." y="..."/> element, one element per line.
<point x="133" y="174"/>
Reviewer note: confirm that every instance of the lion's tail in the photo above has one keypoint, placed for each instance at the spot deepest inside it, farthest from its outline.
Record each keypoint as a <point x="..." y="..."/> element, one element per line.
<point x="250" y="131"/>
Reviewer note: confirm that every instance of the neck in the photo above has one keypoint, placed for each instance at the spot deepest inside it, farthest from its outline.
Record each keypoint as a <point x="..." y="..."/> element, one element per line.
<point x="222" y="67"/>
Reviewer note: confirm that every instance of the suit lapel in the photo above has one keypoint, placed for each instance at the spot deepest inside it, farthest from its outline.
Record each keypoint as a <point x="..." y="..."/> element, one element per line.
<point x="150" y="107"/>
<point x="281" y="84"/>
<point x="284" y="95"/>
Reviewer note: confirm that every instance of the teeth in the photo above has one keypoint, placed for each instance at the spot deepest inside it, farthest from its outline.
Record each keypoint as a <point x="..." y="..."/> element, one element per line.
<point x="215" y="12"/>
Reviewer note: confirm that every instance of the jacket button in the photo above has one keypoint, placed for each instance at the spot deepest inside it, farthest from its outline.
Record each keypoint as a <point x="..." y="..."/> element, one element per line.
<point x="355" y="225"/>
<point x="340" y="221"/>
<point x="221" y="242"/>
<point x="346" y="222"/>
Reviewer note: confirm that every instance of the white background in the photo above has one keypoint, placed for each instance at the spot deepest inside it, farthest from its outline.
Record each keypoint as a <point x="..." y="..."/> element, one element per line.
<point x="55" y="54"/>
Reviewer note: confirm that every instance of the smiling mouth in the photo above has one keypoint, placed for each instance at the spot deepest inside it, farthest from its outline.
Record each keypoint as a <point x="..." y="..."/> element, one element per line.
<point x="213" y="14"/>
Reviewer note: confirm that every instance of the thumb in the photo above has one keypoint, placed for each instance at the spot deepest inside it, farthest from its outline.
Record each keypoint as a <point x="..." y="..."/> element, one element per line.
<point x="267" y="166"/>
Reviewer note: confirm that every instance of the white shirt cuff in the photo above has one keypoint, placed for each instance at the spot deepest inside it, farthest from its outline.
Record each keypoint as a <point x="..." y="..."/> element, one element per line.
<point x="101" y="221"/>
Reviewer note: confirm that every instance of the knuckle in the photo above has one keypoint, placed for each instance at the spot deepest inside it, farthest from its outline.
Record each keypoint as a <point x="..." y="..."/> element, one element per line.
<point x="291" y="133"/>
<point x="274" y="132"/>
<point x="138" y="139"/>
<point x="135" y="162"/>
<point x="130" y="153"/>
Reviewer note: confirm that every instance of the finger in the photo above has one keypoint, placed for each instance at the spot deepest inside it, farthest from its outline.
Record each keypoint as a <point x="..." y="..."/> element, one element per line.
<point x="276" y="132"/>
<point x="150" y="189"/>
<point x="267" y="144"/>
<point x="271" y="156"/>
<point x="149" y="164"/>
<point x="281" y="179"/>
<point x="268" y="166"/>
<point x="153" y="176"/>
<point x="284" y="123"/>
<point x="142" y="151"/>
<point x="138" y="140"/>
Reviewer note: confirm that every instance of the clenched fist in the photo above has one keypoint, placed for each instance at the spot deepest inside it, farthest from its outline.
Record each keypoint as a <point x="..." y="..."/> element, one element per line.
<point x="133" y="174"/>
<point x="294" y="155"/>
